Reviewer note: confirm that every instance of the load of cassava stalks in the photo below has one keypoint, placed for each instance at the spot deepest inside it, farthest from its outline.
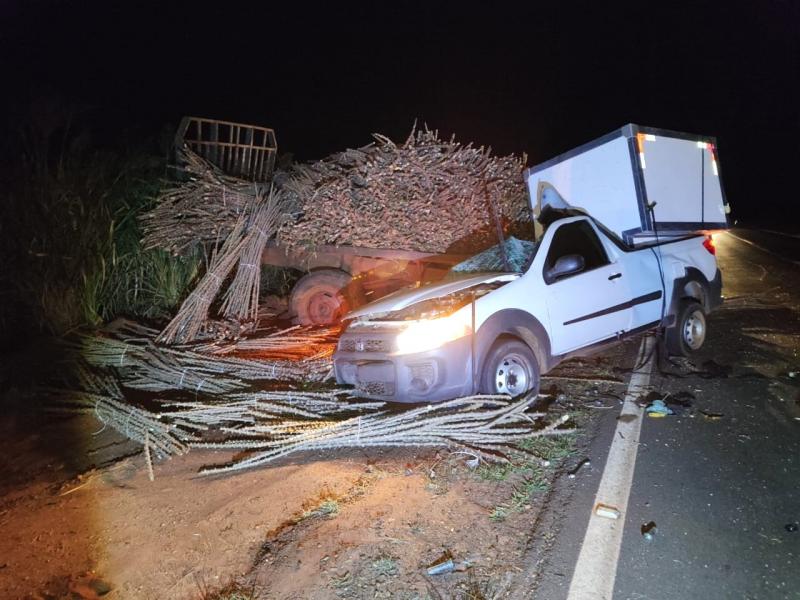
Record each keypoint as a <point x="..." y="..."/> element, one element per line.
<point x="425" y="194"/>
<point x="202" y="206"/>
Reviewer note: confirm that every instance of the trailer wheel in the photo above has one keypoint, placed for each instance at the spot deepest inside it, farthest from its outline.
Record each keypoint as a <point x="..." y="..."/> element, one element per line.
<point x="320" y="297"/>
<point x="510" y="368"/>
<point x="689" y="332"/>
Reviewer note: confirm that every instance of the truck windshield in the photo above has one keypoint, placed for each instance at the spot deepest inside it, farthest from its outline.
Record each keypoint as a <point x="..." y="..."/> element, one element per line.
<point x="513" y="256"/>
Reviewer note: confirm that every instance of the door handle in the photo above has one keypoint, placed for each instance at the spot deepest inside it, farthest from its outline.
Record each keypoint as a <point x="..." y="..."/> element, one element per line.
<point x="614" y="276"/>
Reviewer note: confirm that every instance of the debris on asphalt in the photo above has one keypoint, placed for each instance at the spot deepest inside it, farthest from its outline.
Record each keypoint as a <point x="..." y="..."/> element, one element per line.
<point x="607" y="512"/>
<point x="649" y="531"/>
<point x="680" y="402"/>
<point x="792" y="527"/>
<point x="711" y="416"/>
<point x="714" y="370"/>
<point x="657" y="408"/>
<point x="584" y="463"/>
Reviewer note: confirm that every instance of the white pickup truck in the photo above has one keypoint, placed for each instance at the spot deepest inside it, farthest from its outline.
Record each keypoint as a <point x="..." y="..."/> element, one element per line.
<point x="625" y="249"/>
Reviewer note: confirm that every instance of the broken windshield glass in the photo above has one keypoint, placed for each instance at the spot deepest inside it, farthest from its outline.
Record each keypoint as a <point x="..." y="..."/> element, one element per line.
<point x="518" y="254"/>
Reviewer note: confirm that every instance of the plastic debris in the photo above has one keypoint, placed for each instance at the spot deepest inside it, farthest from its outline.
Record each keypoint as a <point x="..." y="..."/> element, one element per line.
<point x="657" y="408"/>
<point x="443" y="564"/>
<point x="607" y="512"/>
<point x="792" y="527"/>
<point x="649" y="531"/>
<point x="792" y="374"/>
<point x="711" y="416"/>
<point x="447" y="566"/>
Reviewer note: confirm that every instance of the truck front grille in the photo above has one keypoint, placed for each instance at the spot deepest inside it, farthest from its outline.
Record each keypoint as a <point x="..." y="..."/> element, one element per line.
<point x="375" y="388"/>
<point x="352" y="344"/>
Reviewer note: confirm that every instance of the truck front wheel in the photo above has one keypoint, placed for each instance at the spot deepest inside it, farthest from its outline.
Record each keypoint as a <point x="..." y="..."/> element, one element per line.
<point x="510" y="368"/>
<point x="689" y="332"/>
<point x="320" y="297"/>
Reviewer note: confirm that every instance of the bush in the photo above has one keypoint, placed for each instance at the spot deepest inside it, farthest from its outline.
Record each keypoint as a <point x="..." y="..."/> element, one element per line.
<point x="70" y="234"/>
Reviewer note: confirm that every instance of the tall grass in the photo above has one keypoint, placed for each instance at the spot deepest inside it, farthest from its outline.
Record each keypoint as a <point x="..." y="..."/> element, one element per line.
<point x="69" y="236"/>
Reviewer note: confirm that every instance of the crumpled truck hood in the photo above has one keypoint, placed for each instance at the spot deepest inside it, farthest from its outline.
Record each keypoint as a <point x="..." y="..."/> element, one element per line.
<point x="406" y="297"/>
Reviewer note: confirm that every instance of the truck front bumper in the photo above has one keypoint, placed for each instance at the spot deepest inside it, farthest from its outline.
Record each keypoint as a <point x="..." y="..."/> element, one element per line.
<point x="366" y="360"/>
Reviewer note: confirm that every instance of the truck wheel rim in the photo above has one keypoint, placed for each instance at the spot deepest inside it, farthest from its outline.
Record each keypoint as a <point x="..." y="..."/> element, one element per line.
<point x="512" y="375"/>
<point x="323" y="308"/>
<point x="694" y="330"/>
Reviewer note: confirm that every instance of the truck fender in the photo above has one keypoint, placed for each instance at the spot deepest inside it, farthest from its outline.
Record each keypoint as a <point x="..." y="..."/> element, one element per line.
<point x="517" y="323"/>
<point x="692" y="285"/>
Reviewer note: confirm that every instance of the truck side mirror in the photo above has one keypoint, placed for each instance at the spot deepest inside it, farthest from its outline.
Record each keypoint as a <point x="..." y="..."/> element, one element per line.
<point x="569" y="264"/>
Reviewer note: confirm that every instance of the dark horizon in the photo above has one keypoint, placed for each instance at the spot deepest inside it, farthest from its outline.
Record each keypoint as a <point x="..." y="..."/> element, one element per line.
<point x="537" y="81"/>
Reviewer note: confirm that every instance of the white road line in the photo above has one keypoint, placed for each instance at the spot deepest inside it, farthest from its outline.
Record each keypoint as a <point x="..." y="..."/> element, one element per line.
<point x="596" y="569"/>
<point x="775" y="254"/>
<point x="782" y="233"/>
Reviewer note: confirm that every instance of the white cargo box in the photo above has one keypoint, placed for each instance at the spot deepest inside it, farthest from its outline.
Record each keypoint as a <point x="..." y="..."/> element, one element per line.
<point x="617" y="177"/>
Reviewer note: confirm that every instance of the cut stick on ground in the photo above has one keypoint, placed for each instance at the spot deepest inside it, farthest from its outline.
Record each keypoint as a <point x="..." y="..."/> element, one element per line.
<point x="277" y="424"/>
<point x="483" y="424"/>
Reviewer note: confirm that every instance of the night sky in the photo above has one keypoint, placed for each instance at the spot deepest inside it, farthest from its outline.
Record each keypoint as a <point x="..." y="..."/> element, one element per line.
<point x="535" y="77"/>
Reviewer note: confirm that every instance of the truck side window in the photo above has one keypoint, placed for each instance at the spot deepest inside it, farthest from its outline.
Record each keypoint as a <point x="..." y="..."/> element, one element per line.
<point x="577" y="238"/>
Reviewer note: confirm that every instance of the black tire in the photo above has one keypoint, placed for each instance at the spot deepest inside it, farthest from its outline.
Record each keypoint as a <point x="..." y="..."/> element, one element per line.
<point x="320" y="297"/>
<point x="510" y="368"/>
<point x="688" y="334"/>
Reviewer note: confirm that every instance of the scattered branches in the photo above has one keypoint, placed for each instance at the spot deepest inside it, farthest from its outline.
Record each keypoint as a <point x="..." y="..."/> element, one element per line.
<point x="484" y="424"/>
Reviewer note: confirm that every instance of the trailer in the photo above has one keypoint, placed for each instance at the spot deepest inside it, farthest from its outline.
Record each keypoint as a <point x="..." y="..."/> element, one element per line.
<point x="639" y="182"/>
<point x="337" y="278"/>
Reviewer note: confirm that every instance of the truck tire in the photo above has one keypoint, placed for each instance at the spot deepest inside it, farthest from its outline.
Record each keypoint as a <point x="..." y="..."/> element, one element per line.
<point x="510" y="368"/>
<point x="689" y="332"/>
<point x="320" y="297"/>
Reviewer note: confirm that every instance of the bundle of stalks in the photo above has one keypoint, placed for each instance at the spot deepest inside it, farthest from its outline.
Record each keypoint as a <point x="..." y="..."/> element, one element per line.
<point x="144" y="365"/>
<point x="426" y="194"/>
<point x="241" y="297"/>
<point x="241" y="413"/>
<point x="275" y="424"/>
<point x="485" y="425"/>
<point x="202" y="206"/>
<point x="102" y="397"/>
<point x="293" y="343"/>
<point x="187" y="324"/>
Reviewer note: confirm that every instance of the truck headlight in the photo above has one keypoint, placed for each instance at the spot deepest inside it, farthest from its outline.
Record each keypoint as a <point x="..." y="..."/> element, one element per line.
<point x="420" y="336"/>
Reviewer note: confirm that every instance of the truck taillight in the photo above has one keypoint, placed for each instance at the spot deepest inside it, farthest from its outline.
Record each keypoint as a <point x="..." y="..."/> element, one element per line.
<point x="708" y="244"/>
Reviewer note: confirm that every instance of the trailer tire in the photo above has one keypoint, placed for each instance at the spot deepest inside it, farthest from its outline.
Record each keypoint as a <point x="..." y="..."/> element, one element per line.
<point x="689" y="332"/>
<point x="321" y="297"/>
<point x="510" y="368"/>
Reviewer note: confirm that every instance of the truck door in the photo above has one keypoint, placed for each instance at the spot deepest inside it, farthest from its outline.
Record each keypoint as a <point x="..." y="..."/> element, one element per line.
<point x="589" y="305"/>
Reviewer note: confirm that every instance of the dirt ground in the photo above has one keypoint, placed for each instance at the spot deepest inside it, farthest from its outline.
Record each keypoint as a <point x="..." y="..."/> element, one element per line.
<point x="81" y="519"/>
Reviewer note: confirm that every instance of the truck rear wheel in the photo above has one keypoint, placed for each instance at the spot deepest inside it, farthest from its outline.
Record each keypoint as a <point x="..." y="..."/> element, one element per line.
<point x="689" y="332"/>
<point x="510" y="368"/>
<point x="320" y="297"/>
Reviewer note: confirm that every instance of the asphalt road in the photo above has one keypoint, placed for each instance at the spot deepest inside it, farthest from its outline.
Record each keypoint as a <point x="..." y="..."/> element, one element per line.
<point x="721" y="481"/>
